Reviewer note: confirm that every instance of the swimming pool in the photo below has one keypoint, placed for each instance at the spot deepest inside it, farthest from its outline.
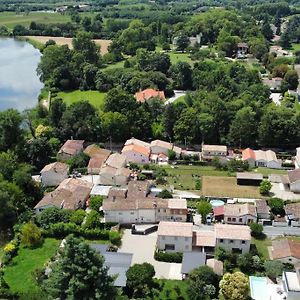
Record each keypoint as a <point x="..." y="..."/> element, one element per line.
<point x="216" y="203"/>
<point x="258" y="287"/>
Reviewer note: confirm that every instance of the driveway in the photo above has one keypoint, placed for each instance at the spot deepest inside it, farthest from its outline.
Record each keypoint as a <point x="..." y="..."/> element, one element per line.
<point x="177" y="95"/>
<point x="143" y="247"/>
<point x="279" y="191"/>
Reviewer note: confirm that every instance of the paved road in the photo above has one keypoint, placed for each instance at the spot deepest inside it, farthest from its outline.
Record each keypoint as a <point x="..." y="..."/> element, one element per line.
<point x="272" y="231"/>
<point x="143" y="247"/>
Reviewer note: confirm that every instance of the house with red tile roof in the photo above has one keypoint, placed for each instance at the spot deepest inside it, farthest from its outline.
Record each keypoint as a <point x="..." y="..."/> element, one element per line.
<point x="148" y="94"/>
<point x="136" y="153"/>
<point x="70" y="149"/>
<point x="287" y="251"/>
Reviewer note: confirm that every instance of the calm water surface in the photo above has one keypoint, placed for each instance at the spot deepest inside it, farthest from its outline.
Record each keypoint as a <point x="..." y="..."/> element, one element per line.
<point x="19" y="83"/>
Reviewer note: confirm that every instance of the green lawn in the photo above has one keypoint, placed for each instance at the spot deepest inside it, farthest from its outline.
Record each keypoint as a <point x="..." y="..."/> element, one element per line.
<point x="262" y="246"/>
<point x="176" y="57"/>
<point x="119" y="64"/>
<point x="169" y="290"/>
<point x="295" y="47"/>
<point x="266" y="171"/>
<point x="184" y="177"/>
<point x="180" y="100"/>
<point x="10" y="19"/>
<point x="94" y="97"/>
<point x="19" y="274"/>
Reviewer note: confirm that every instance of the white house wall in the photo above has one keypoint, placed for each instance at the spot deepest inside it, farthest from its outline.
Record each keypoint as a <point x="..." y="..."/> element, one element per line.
<point x="51" y="178"/>
<point x="181" y="244"/>
<point x="231" y="244"/>
<point x="135" y="157"/>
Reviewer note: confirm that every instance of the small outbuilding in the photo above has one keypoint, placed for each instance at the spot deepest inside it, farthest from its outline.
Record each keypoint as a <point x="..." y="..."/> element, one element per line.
<point x="191" y="261"/>
<point x="249" y="178"/>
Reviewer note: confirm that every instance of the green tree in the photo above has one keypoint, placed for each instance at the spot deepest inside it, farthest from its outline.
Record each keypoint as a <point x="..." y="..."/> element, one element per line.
<point x="284" y="41"/>
<point x="165" y="194"/>
<point x="56" y="111"/>
<point x="84" y="45"/>
<point x="243" y="129"/>
<point x="77" y="216"/>
<point x="79" y="273"/>
<point x="11" y="133"/>
<point x="171" y="155"/>
<point x="92" y="220"/>
<point x="182" y="42"/>
<point x="181" y="73"/>
<point x="31" y="235"/>
<point x="53" y="215"/>
<point x="221" y="253"/>
<point x="276" y="205"/>
<point x="234" y="286"/>
<point x="265" y="187"/>
<point x="292" y="79"/>
<point x="7" y="211"/>
<point x="96" y="202"/>
<point x="273" y="268"/>
<point x="245" y="262"/>
<point x="256" y="229"/>
<point x="140" y="279"/>
<point x="267" y="30"/>
<point x="204" y="208"/>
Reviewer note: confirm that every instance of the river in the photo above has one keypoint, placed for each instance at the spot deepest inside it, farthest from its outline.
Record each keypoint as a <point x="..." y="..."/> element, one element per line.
<point x="19" y="83"/>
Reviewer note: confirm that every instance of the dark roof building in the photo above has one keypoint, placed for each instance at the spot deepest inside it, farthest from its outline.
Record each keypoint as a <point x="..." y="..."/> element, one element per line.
<point x="117" y="263"/>
<point x="191" y="261"/>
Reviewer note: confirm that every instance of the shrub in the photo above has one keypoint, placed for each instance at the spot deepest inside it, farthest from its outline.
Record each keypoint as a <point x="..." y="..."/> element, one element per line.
<point x="175" y="257"/>
<point x="53" y="215"/>
<point x="96" y="202"/>
<point x="165" y="194"/>
<point x="77" y="216"/>
<point x="31" y="235"/>
<point x="115" y="238"/>
<point x="265" y="187"/>
<point x="142" y="177"/>
<point x="256" y="229"/>
<point x="276" y="205"/>
<point x="92" y="220"/>
<point x="10" y="248"/>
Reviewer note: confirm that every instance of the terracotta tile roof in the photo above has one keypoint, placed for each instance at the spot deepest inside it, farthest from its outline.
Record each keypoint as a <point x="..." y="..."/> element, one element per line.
<point x="232" y="232"/>
<point x="218" y="211"/>
<point x="262" y="207"/>
<point x="204" y="238"/>
<point x="160" y="143"/>
<point x="294" y="175"/>
<point x="95" y="163"/>
<point x="71" y="147"/>
<point x="293" y="209"/>
<point x="116" y="160"/>
<point x="148" y="94"/>
<point x="285" y="248"/>
<point x="219" y="148"/>
<point x="94" y="151"/>
<point x="177" y="203"/>
<point x="239" y="210"/>
<point x="138" y="189"/>
<point x="247" y="154"/>
<point x="134" y="141"/>
<point x="137" y="148"/>
<point x="70" y="194"/>
<point x="180" y="229"/>
<point x="56" y="167"/>
<point x="216" y="265"/>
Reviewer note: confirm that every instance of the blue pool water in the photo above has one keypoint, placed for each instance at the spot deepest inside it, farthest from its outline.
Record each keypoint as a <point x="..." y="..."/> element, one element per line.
<point x="216" y="203"/>
<point x="258" y="287"/>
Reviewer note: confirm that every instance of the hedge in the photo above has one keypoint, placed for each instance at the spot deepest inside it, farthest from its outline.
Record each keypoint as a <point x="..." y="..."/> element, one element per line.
<point x="61" y="230"/>
<point x="175" y="257"/>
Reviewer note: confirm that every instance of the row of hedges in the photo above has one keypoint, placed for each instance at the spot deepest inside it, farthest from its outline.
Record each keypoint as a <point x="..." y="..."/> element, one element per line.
<point x="61" y="230"/>
<point x="172" y="257"/>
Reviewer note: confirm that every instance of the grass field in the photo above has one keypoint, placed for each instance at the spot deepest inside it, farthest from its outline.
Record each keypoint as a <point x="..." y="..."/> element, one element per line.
<point x="176" y="57"/>
<point x="11" y="19"/>
<point x="94" y="97"/>
<point x="266" y="171"/>
<point x="68" y="41"/>
<point x="184" y="177"/>
<point x="170" y="288"/>
<point x="295" y="47"/>
<point x="119" y="64"/>
<point x="227" y="187"/>
<point x="19" y="274"/>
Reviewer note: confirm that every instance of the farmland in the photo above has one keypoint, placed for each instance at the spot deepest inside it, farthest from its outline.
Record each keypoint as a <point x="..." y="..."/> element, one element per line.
<point x="68" y="41"/>
<point x="227" y="187"/>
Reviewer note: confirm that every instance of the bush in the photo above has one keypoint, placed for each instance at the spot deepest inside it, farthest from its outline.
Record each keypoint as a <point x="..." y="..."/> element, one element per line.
<point x="115" y="238"/>
<point x="142" y="177"/>
<point x="276" y="205"/>
<point x="77" y="216"/>
<point x="165" y="194"/>
<point x="175" y="257"/>
<point x="256" y="229"/>
<point x="265" y="187"/>
<point x="92" y="220"/>
<point x="31" y="235"/>
<point x="96" y="202"/>
<point x="53" y="215"/>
